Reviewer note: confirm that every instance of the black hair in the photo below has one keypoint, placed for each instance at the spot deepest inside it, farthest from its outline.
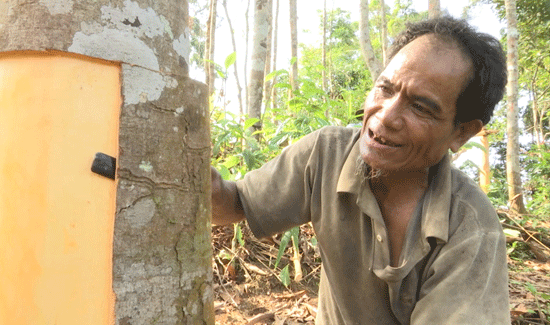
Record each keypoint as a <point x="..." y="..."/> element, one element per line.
<point x="485" y="88"/>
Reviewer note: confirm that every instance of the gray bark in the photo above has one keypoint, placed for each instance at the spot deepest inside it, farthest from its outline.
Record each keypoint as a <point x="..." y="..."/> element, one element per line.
<point x="161" y="246"/>
<point x="210" y="47"/>
<point x="258" y="58"/>
<point x="434" y="8"/>
<point x="513" y="170"/>
<point x="275" y="37"/>
<point x="269" y="45"/>
<point x="373" y="63"/>
<point x="294" y="44"/>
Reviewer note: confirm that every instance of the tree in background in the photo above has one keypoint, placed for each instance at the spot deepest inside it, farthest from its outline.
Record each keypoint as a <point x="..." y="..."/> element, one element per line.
<point x="513" y="170"/>
<point x="210" y="70"/>
<point x="262" y="23"/>
<point x="374" y="64"/>
<point x="294" y="44"/>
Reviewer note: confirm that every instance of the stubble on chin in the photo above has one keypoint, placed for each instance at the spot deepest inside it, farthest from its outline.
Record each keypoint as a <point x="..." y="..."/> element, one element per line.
<point x="365" y="172"/>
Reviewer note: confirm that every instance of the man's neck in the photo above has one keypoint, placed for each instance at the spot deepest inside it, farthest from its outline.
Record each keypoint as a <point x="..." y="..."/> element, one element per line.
<point x="400" y="183"/>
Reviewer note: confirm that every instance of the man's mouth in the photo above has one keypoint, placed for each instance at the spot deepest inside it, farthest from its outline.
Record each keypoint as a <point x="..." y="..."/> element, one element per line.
<point x="382" y="140"/>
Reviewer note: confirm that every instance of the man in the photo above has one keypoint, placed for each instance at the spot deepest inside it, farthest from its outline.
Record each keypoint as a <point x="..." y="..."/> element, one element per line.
<point x="405" y="238"/>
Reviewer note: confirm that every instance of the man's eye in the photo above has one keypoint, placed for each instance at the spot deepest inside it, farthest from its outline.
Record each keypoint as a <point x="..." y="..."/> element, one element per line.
<point x="422" y="109"/>
<point x="385" y="89"/>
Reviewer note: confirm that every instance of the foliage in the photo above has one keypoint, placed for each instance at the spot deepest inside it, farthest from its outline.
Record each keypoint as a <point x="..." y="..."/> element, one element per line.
<point x="537" y="164"/>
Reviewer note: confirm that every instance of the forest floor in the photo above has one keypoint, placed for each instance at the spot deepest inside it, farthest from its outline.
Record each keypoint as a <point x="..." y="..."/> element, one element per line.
<point x="249" y="290"/>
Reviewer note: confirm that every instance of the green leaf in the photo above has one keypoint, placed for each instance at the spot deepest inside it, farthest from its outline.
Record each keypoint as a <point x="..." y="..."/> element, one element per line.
<point x="284" y="242"/>
<point x="224" y="172"/>
<point x="285" y="276"/>
<point x="232" y="161"/>
<point x="512" y="233"/>
<point x="531" y="288"/>
<point x="295" y="233"/>
<point x="230" y="60"/>
<point x="313" y="241"/>
<point x="251" y="121"/>
<point x="545" y="296"/>
<point x="275" y="73"/>
<point x="473" y="144"/>
<point x="238" y="233"/>
<point x="221" y="74"/>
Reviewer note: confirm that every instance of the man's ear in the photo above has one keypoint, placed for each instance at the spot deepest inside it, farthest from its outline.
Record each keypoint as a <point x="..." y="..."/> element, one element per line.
<point x="464" y="132"/>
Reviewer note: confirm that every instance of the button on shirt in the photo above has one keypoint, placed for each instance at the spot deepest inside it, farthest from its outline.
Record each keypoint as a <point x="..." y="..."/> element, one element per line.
<point x="452" y="269"/>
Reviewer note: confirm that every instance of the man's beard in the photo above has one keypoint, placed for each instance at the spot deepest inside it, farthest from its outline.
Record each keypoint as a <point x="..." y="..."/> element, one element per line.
<point x="365" y="171"/>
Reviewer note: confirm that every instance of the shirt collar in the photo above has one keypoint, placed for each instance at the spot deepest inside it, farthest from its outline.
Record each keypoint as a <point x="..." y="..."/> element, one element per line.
<point x="437" y="201"/>
<point x="348" y="180"/>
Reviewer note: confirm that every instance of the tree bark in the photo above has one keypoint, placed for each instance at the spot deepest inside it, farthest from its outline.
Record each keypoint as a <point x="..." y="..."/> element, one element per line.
<point x="269" y="44"/>
<point x="247" y="37"/>
<point x="210" y="46"/>
<point x="258" y="58"/>
<point x="275" y="38"/>
<point x="513" y="170"/>
<point x="434" y="9"/>
<point x="384" y="32"/>
<point x="324" y="48"/>
<point x="161" y="262"/>
<point x="293" y="44"/>
<point x="235" y="66"/>
<point x="371" y="60"/>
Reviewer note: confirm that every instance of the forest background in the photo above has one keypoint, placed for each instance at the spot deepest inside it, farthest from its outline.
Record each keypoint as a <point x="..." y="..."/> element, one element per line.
<point x="276" y="76"/>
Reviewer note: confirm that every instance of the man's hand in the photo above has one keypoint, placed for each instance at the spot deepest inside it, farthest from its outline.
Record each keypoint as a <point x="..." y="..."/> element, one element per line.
<point x="226" y="204"/>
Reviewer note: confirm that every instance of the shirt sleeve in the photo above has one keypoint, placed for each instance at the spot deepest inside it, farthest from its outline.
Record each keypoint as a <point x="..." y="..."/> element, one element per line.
<point x="277" y="196"/>
<point x="468" y="281"/>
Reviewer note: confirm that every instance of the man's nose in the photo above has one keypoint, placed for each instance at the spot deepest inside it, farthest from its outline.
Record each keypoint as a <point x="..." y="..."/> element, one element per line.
<point x="391" y="113"/>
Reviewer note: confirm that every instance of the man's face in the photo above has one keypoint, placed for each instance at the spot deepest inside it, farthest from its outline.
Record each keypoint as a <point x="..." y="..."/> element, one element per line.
<point x="408" y="122"/>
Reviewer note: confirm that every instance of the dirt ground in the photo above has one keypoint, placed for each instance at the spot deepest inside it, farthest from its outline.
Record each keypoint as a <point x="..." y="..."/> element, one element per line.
<point x="248" y="289"/>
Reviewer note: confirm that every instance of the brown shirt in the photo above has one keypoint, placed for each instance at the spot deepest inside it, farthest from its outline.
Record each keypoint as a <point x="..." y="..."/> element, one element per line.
<point x="452" y="268"/>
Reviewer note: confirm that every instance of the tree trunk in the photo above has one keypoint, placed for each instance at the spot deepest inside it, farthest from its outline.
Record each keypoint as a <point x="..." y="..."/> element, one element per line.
<point x="275" y="37"/>
<point x="210" y="45"/>
<point x="258" y="57"/>
<point x="269" y="44"/>
<point x="247" y="37"/>
<point x="434" y="9"/>
<point x="485" y="170"/>
<point x="294" y="44"/>
<point x="513" y="170"/>
<point x="235" y="66"/>
<point x="384" y="32"/>
<point x="371" y="60"/>
<point x="158" y="242"/>
<point x="324" y="48"/>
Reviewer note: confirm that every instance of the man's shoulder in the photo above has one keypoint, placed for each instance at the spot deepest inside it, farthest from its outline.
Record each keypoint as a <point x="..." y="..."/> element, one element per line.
<point x="337" y="134"/>
<point x="473" y="202"/>
<point x="344" y="132"/>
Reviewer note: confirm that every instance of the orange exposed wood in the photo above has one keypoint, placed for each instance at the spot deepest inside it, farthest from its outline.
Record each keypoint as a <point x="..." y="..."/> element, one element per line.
<point x="56" y="216"/>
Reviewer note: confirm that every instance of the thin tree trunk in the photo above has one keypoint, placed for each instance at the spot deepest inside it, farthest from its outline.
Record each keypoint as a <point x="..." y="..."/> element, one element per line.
<point x="210" y="45"/>
<point x="513" y="170"/>
<point x="258" y="57"/>
<point x="235" y="66"/>
<point x="324" y="49"/>
<point x="485" y="170"/>
<point x="247" y="37"/>
<point x="269" y="43"/>
<point x="275" y="38"/>
<point x="383" y="32"/>
<point x="371" y="60"/>
<point x="434" y="8"/>
<point x="294" y="45"/>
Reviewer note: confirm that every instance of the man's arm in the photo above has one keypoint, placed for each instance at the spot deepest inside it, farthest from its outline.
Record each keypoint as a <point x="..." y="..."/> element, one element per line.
<point x="226" y="204"/>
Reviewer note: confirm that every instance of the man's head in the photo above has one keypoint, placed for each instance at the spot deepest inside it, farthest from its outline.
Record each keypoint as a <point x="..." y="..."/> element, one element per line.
<point x="486" y="86"/>
<point x="410" y="119"/>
